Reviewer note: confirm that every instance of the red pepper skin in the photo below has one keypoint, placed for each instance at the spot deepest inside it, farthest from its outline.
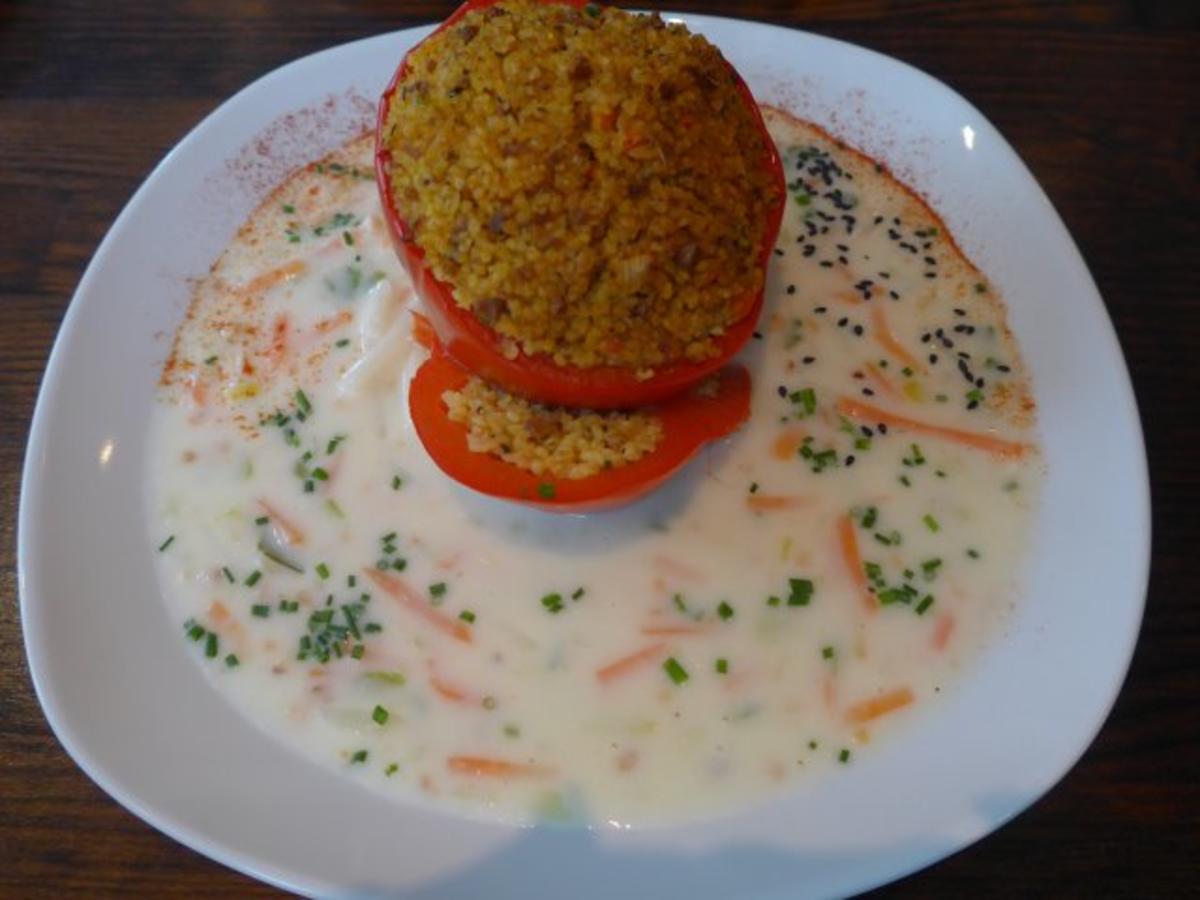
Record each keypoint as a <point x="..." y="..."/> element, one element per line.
<point x="690" y="421"/>
<point x="537" y="376"/>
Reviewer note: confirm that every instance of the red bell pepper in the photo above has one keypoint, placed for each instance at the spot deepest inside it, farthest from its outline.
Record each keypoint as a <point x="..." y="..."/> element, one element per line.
<point x="689" y="421"/>
<point x="537" y="376"/>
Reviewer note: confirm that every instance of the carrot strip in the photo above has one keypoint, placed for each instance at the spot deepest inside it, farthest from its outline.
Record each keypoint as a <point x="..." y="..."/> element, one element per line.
<point x="884" y="337"/>
<point x="631" y="663"/>
<point x="882" y="382"/>
<point x="787" y="443"/>
<point x="848" y="540"/>
<point x="492" y="767"/>
<point x="677" y="568"/>
<point x="451" y="692"/>
<point x="333" y="322"/>
<point x="401" y="591"/>
<point x="942" y="631"/>
<point x="273" y="277"/>
<point x="219" y="612"/>
<point x="866" y="413"/>
<point x="290" y="530"/>
<point x="868" y="710"/>
<point x="670" y="630"/>
<point x="776" y="502"/>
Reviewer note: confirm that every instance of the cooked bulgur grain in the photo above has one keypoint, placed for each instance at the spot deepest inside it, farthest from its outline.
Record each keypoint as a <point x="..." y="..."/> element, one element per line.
<point x="592" y="185"/>
<point x="549" y="441"/>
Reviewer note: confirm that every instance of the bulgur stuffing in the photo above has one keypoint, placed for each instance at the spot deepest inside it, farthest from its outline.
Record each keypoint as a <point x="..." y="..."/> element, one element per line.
<point x="549" y="441"/>
<point x="590" y="182"/>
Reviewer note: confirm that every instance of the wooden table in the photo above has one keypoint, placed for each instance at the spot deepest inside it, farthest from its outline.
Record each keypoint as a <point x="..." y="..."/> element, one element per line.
<point x="1098" y="97"/>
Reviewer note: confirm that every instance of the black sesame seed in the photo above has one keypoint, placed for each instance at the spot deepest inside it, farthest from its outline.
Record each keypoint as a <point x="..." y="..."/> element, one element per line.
<point x="933" y="358"/>
<point x="809" y="360"/>
<point x="826" y="264"/>
<point x="850" y="460"/>
<point x="781" y="390"/>
<point x="791" y="289"/>
<point x="820" y="310"/>
<point x="893" y="295"/>
<point x="858" y="329"/>
<point x="882" y="426"/>
<point x="842" y="322"/>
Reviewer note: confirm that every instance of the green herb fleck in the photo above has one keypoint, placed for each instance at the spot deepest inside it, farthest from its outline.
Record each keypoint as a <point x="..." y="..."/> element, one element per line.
<point x="800" y="591"/>
<point x="931" y="523"/>
<point x="675" y="671"/>
<point x="380" y="715"/>
<point x="359" y="756"/>
<point x="253" y="578"/>
<point x="722" y="666"/>
<point x="167" y="543"/>
<point x="553" y="603"/>
<point x="546" y="491"/>
<point x="725" y="611"/>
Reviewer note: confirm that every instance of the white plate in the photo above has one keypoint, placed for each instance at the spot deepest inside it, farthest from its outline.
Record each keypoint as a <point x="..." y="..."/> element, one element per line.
<point x="137" y="715"/>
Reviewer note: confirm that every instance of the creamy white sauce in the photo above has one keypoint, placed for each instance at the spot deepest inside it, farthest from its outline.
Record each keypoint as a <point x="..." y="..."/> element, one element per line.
<point x="525" y="688"/>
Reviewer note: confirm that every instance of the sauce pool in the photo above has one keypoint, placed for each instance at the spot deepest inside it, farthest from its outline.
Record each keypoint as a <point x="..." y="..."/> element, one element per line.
<point x="802" y="590"/>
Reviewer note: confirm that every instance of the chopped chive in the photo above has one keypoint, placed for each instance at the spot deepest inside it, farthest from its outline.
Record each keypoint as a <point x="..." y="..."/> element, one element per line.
<point x="675" y="671"/>
<point x="211" y="360"/>
<point x="335" y="508"/>
<point x="320" y="474"/>
<point x="167" y="543"/>
<point x="302" y="402"/>
<point x="931" y="523"/>
<point x="392" y="769"/>
<point x="372" y="628"/>
<point x="194" y="630"/>
<point x="348" y="238"/>
<point x="211" y="645"/>
<point x="228" y="575"/>
<point x="722" y="666"/>
<point x="333" y="444"/>
<point x="399" y="564"/>
<point x="553" y="603"/>
<point x="512" y="730"/>
<point x="388" y="538"/>
<point x="844" y="755"/>
<point x="288" y="208"/>
<point x="262" y="520"/>
<point x="800" y="591"/>
<point x="343" y="342"/>
<point x="973" y="553"/>
<point x="725" y="611"/>
<point x="467" y="616"/>
<point x="923" y="606"/>
<point x="260" y="610"/>
<point x="253" y="578"/>
<point x="232" y="662"/>
<point x="380" y="715"/>
<point x="397" y="482"/>
<point x="577" y="593"/>
<point x="322" y="570"/>
<point x="773" y="601"/>
<point x="546" y="491"/>
<point x="359" y="756"/>
<point x="827" y="652"/>
<point x="396" y="679"/>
